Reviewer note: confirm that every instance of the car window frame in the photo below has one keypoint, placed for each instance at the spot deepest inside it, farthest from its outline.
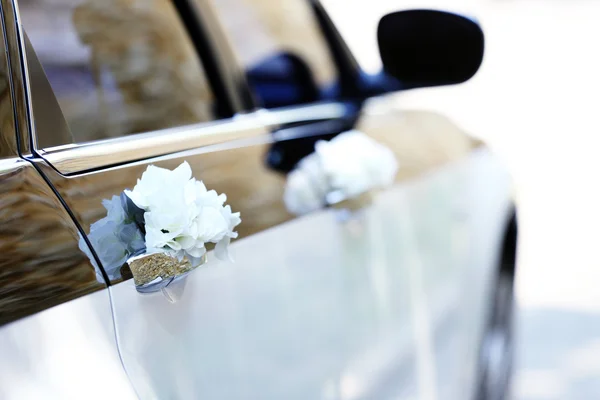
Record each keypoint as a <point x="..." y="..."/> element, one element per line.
<point x="247" y="122"/>
<point x="220" y="80"/>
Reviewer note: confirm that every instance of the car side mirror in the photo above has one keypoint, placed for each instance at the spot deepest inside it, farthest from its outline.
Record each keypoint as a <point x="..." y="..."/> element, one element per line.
<point x="282" y="80"/>
<point x="424" y="48"/>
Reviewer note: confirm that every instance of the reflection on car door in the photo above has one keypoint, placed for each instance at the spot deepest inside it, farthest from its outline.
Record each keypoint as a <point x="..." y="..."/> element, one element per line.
<point x="57" y="337"/>
<point x="313" y="307"/>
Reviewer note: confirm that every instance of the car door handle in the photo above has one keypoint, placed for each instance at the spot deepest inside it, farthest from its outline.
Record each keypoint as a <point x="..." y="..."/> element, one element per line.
<point x="298" y="130"/>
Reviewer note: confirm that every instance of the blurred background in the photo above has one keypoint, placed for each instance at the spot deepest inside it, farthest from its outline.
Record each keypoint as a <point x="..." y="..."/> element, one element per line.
<point x="534" y="102"/>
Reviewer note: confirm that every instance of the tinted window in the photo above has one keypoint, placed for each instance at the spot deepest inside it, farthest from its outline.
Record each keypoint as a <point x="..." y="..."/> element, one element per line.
<point x="282" y="49"/>
<point x="118" y="67"/>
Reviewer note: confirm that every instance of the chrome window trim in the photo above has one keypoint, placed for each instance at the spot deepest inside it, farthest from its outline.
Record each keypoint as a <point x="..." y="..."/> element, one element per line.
<point x="274" y="118"/>
<point x="83" y="157"/>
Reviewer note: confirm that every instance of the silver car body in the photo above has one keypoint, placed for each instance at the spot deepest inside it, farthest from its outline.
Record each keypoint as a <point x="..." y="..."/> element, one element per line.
<point x="391" y="304"/>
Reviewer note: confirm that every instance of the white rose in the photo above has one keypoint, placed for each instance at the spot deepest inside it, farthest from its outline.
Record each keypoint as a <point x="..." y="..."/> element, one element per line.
<point x="232" y="219"/>
<point x="355" y="163"/>
<point x="209" y="225"/>
<point x="168" y="224"/>
<point x="156" y="184"/>
<point x="301" y="196"/>
<point x="182" y="215"/>
<point x="306" y="186"/>
<point x="215" y="222"/>
<point x="348" y="165"/>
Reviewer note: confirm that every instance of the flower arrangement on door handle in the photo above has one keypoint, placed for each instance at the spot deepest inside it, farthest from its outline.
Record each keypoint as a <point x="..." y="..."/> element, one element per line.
<point x="341" y="173"/>
<point x="161" y="228"/>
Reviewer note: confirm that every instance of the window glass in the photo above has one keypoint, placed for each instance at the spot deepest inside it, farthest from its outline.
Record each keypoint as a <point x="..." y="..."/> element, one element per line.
<point x="281" y="47"/>
<point x="8" y="135"/>
<point x="118" y="67"/>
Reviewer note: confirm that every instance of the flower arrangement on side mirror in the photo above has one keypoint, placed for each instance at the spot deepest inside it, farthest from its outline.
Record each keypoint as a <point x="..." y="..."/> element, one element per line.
<point x="341" y="173"/>
<point x="162" y="226"/>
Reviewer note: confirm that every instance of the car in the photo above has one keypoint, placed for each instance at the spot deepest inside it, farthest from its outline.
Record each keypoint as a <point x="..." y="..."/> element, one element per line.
<point x="109" y="108"/>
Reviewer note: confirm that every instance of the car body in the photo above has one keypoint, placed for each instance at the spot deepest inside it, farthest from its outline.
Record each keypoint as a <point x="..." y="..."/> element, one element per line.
<point x="409" y="300"/>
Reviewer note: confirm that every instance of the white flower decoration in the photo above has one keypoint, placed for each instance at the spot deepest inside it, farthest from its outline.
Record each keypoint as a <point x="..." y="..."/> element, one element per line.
<point x="306" y="187"/>
<point x="181" y="215"/>
<point x="348" y="165"/>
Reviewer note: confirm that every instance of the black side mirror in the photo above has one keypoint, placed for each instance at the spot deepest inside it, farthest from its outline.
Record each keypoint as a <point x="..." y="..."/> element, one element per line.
<point x="282" y="80"/>
<point x="424" y="48"/>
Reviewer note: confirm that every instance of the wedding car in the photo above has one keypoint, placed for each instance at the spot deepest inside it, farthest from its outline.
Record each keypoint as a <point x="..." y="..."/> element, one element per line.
<point x="212" y="199"/>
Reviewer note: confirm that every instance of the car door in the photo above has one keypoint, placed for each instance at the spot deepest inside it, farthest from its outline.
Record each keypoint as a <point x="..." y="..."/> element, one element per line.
<point x="57" y="337"/>
<point x="444" y="209"/>
<point x="313" y="307"/>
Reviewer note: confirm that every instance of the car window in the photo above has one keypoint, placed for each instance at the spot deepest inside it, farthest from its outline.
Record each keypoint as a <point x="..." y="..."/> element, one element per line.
<point x="118" y="67"/>
<point x="281" y="48"/>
